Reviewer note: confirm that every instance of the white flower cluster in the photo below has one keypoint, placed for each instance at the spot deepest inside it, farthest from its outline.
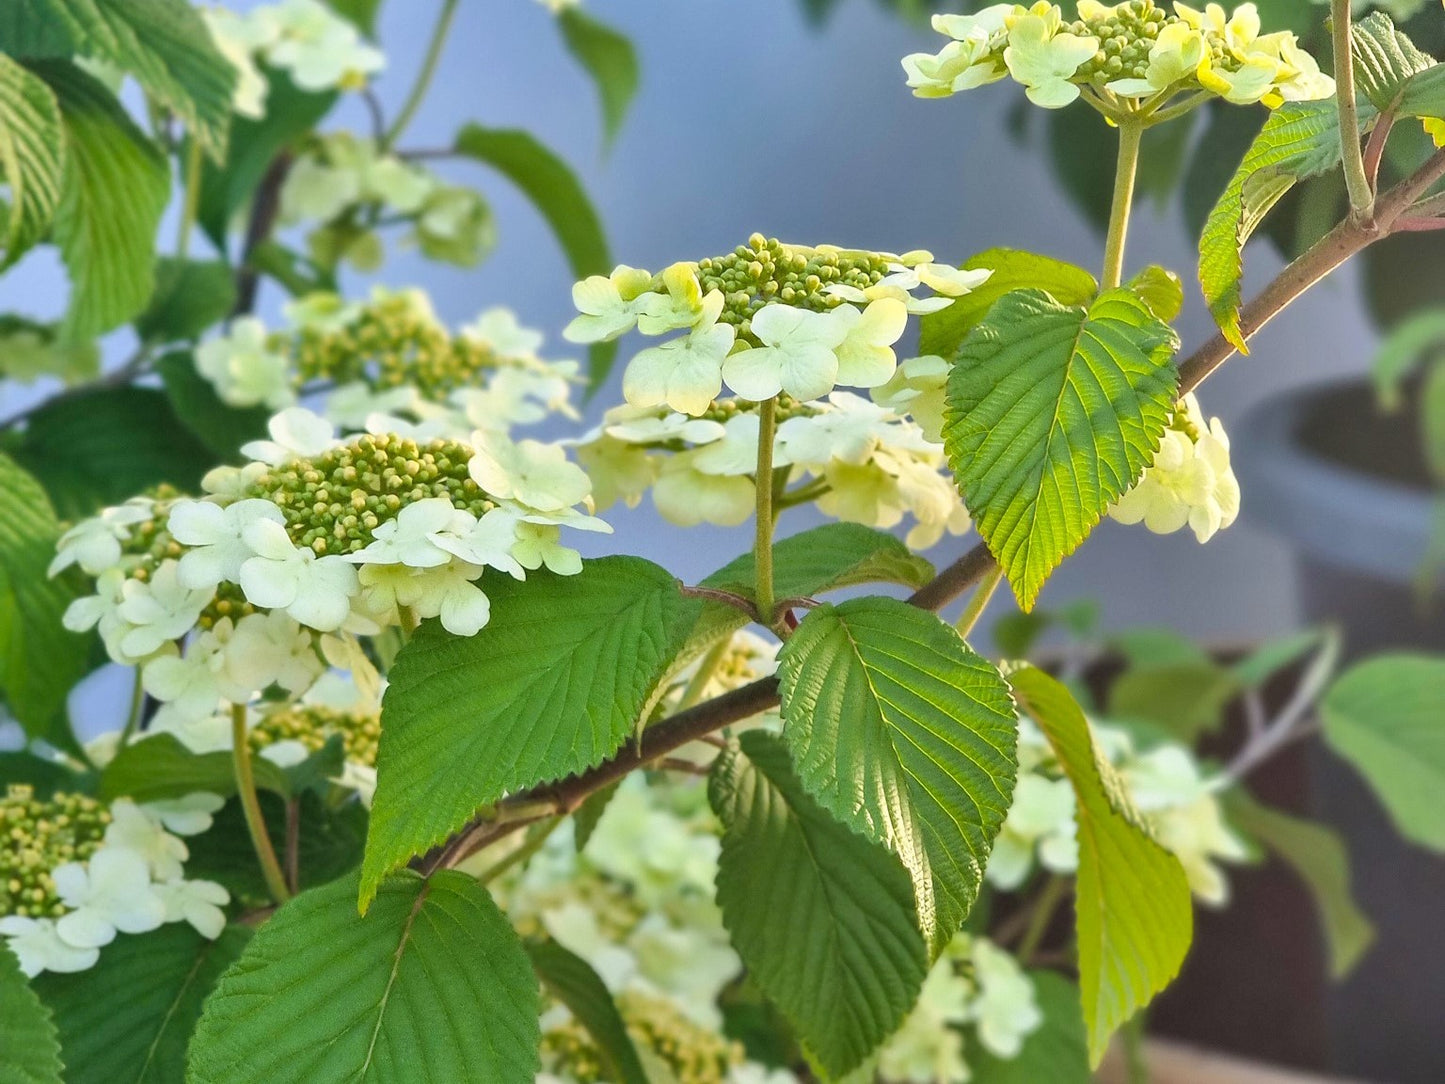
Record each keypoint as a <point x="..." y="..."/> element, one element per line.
<point x="316" y="47"/>
<point x="768" y="318"/>
<point x="1190" y="483"/>
<point x="1165" y="784"/>
<point x="342" y="178"/>
<point x="1125" y="52"/>
<point x="132" y="883"/>
<point x="859" y="461"/>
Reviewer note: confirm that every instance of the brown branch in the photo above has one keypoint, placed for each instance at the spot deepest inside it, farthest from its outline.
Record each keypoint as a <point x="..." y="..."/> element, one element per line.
<point x="264" y="211"/>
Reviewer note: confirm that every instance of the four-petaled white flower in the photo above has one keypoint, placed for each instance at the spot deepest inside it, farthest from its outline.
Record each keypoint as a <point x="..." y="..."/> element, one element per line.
<point x="529" y="472"/>
<point x="214" y="534"/>
<point x="187" y="816"/>
<point x="39" y="947"/>
<point x="798" y="354"/>
<point x="609" y="305"/>
<point x="486" y="542"/>
<point x="316" y="591"/>
<point x="94" y="544"/>
<point x="407" y="539"/>
<point x="321" y="50"/>
<point x="685" y="373"/>
<point x="196" y="902"/>
<point x="135" y="829"/>
<point x="1044" y="58"/>
<point x="865" y="356"/>
<point x="498" y="328"/>
<point x="111" y="893"/>
<point x="157" y="611"/>
<point x="296" y="433"/>
<point x="243" y="368"/>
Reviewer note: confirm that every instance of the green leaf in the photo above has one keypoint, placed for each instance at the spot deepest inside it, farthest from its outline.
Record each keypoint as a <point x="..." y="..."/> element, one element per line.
<point x="43" y="775"/>
<point x="39" y="659"/>
<point x="1407" y="346"/>
<point x="30" y="1053"/>
<point x="100" y="447"/>
<point x="1317" y="854"/>
<point x="1385" y="60"/>
<point x="555" y="683"/>
<point x="32" y="150"/>
<point x="943" y="332"/>
<point x="1132" y="905"/>
<point x="571" y="980"/>
<point x="608" y="57"/>
<point x="1053" y="413"/>
<point x="30" y="349"/>
<point x="116" y="185"/>
<point x="1261" y="664"/>
<point x="431" y="985"/>
<point x="1145" y="647"/>
<point x="824" y="919"/>
<point x="1384" y="717"/>
<point x="1161" y="290"/>
<point x="190" y="296"/>
<point x="160" y="767"/>
<point x="560" y="198"/>
<point x="1299" y="140"/>
<point x="589" y="814"/>
<point x="1186" y="700"/>
<point x="1432" y="421"/>
<point x="360" y="13"/>
<point x="1057" y="1053"/>
<point x="906" y="735"/>
<point x="129" y="1018"/>
<point x="221" y="428"/>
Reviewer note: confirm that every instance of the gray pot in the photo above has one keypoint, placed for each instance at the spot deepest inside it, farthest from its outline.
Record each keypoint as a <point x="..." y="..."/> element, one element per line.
<point x="1359" y="539"/>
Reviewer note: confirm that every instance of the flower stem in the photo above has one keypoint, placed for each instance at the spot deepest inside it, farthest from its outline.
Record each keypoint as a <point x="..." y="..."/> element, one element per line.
<point x="706" y="667"/>
<point x="979" y="602"/>
<point x="137" y="706"/>
<point x="251" y="806"/>
<point x="1054" y="891"/>
<point x="423" y="77"/>
<point x="1131" y="135"/>
<point x="1357" y="179"/>
<point x="763" y="547"/>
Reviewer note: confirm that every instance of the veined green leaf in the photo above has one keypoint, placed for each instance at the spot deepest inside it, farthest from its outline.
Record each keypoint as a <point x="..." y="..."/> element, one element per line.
<point x="571" y="980"/>
<point x="160" y="767"/>
<point x="1385" y="60"/>
<point x="1299" y="140"/>
<point x="32" y="157"/>
<point x="322" y="995"/>
<point x="942" y="332"/>
<point x="608" y="57"/>
<point x="115" y="188"/>
<point x="129" y="1018"/>
<point x="30" y="1053"/>
<point x="1134" y="915"/>
<point x="560" y="198"/>
<point x="1318" y="856"/>
<point x="1385" y="716"/>
<point x="554" y="685"/>
<point x="1053" y="413"/>
<point x="1161" y="290"/>
<point x="1057" y="1053"/>
<point x="824" y="919"/>
<point x="906" y="735"/>
<point x="39" y="659"/>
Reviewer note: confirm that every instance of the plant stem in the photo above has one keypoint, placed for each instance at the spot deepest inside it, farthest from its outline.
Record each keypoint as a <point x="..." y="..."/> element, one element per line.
<point x="1131" y="135"/>
<point x="293" y="844"/>
<point x="705" y="670"/>
<point x="1357" y="179"/>
<point x="423" y="77"/>
<point x="195" y="160"/>
<point x="251" y="806"/>
<point x="1054" y="891"/>
<point x="981" y="597"/>
<point x="763" y="547"/>
<point x="536" y="838"/>
<point x="137" y="705"/>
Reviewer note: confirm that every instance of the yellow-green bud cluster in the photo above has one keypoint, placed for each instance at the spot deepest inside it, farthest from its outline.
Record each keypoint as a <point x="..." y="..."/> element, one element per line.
<point x="568" y="1050"/>
<point x="693" y="1053"/>
<point x="786" y="407"/>
<point x="312" y="725"/>
<point x="390" y="343"/>
<point x="334" y="501"/>
<point x="766" y="270"/>
<point x="39" y="836"/>
<point x="1125" y="38"/>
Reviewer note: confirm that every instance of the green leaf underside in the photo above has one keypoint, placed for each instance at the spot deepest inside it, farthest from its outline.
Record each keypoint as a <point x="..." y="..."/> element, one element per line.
<point x="1132" y="905"/>
<point x="1057" y="1053"/>
<point x="32" y="150"/>
<point x="39" y="659"/>
<point x="571" y="980"/>
<point x="942" y="332"/>
<point x="160" y="768"/>
<point x="1385" y="60"/>
<point x="553" y="685"/>
<point x="906" y="735"/>
<point x="1317" y="854"/>
<point x="1298" y="141"/>
<point x="29" y="1047"/>
<point x="116" y="185"/>
<point x="558" y="195"/>
<point x="824" y="919"/>
<point x="1385" y="717"/>
<point x="608" y="57"/>
<point x="1053" y="413"/>
<point x="431" y="985"/>
<point x="128" y="1019"/>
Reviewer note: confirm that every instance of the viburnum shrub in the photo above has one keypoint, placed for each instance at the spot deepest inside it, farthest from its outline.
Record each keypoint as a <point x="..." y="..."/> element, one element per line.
<point x="407" y="789"/>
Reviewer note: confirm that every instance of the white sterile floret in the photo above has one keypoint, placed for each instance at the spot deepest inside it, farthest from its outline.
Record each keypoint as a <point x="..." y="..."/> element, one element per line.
<point x="243" y="368"/>
<point x="644" y="425"/>
<point x="110" y="894"/>
<point x="486" y="542"/>
<point x="798" y="355"/>
<point x="1003" y="1009"/>
<point x="685" y="373"/>
<point x="865" y="356"/>
<point x="196" y="902"/>
<point x="737" y="451"/>
<point x="320" y="49"/>
<point x="928" y="1047"/>
<point x="233" y="661"/>
<point x="1040" y="820"/>
<point x="919" y="388"/>
<point x="316" y="591"/>
<point x="536" y="475"/>
<point x="1043" y="57"/>
<point x="296" y="433"/>
<point x="446" y="591"/>
<point x="225" y="484"/>
<point x="156" y="611"/>
<point x="498" y="328"/>
<point x="214" y="535"/>
<point x="187" y="816"/>
<point x="609" y="305"/>
<point x="850" y="430"/>
<point x="687" y="496"/>
<point x="407" y="539"/>
<point x="134" y="829"/>
<point x="38" y="947"/>
<point x="539" y="545"/>
<point x="94" y="544"/>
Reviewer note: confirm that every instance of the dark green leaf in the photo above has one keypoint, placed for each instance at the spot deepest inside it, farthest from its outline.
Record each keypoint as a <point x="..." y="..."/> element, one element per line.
<point x="30" y="1050"/>
<point x="571" y="980"/>
<point x="322" y="995"/>
<point x="160" y="768"/>
<point x="824" y="919"/>
<point x="608" y="57"/>
<point x="191" y="296"/>
<point x="906" y="735"/>
<point x="42" y="774"/>
<point x="221" y="428"/>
